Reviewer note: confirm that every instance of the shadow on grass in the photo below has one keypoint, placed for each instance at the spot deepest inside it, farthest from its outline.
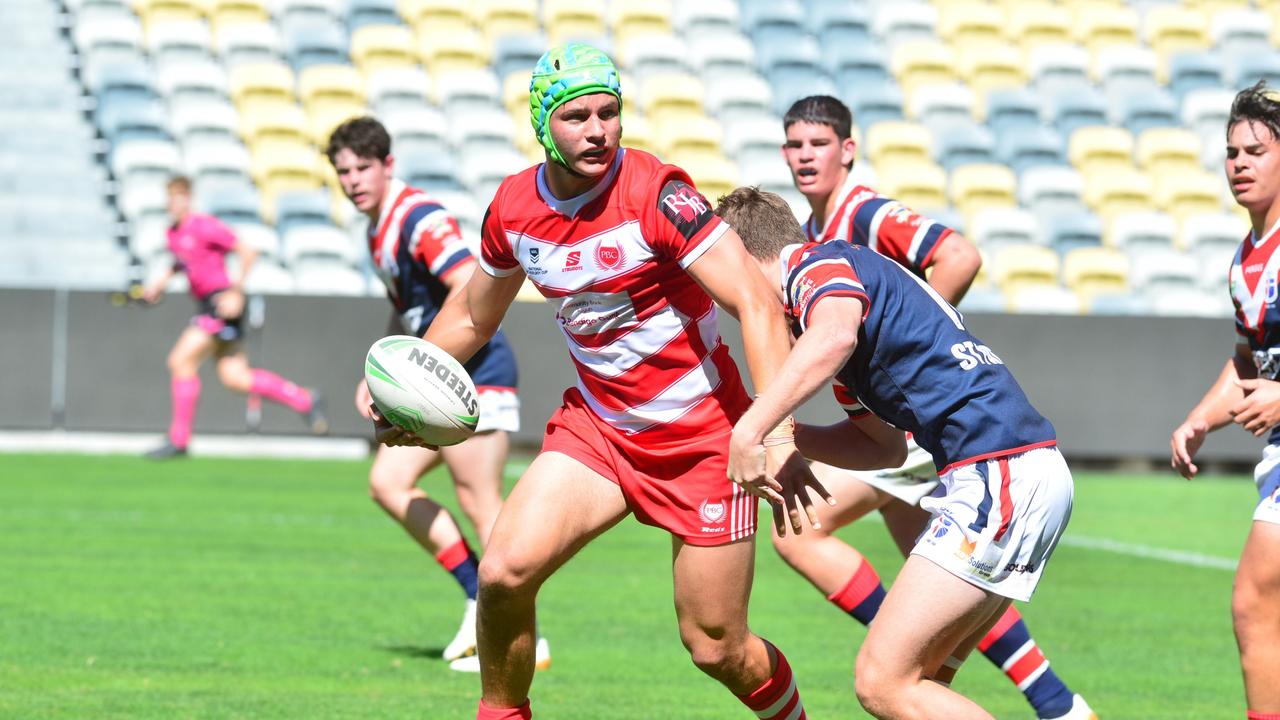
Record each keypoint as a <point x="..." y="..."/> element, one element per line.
<point x="413" y="651"/>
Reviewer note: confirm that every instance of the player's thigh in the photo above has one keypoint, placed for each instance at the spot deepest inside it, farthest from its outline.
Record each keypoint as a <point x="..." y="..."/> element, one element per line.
<point x="1258" y="575"/>
<point x="233" y="367"/>
<point x="854" y="498"/>
<point x="556" y="508"/>
<point x="398" y="469"/>
<point x="905" y="522"/>
<point x="477" y="463"/>
<point x="712" y="586"/>
<point x="191" y="349"/>
<point x="927" y="614"/>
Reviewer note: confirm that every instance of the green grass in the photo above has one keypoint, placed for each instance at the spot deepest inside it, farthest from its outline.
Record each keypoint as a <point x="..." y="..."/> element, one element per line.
<point x="271" y="589"/>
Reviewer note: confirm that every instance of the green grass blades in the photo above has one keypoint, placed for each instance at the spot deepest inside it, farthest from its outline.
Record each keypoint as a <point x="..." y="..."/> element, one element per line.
<point x="276" y="589"/>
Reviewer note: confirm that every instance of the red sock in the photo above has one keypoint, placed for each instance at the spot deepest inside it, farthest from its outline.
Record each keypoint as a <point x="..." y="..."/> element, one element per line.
<point x="777" y="698"/>
<point x="276" y="389"/>
<point x="186" y="395"/>
<point x="492" y="713"/>
<point x="862" y="595"/>
<point x="1251" y="715"/>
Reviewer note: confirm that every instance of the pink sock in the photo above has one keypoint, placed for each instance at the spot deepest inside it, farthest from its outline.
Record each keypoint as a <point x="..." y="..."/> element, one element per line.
<point x="275" y="388"/>
<point x="186" y="395"/>
<point x="778" y="697"/>
<point x="1251" y="715"/>
<point x="492" y="713"/>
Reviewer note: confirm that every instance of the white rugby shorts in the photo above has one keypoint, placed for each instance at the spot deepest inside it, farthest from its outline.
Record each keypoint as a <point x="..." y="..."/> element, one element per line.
<point x="499" y="409"/>
<point x="996" y="522"/>
<point x="1266" y="475"/>
<point x="911" y="481"/>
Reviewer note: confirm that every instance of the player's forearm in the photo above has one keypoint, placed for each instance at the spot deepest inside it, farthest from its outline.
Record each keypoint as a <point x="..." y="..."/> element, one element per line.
<point x="1213" y="409"/>
<point x="247" y="259"/>
<point x="455" y="331"/>
<point x="867" y="444"/>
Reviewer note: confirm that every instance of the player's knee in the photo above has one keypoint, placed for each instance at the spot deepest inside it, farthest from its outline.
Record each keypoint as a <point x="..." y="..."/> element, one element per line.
<point x="505" y="575"/>
<point x="873" y="685"/>
<point x="713" y="651"/>
<point x="1248" y="606"/>
<point x="385" y="485"/>
<point x="234" y="378"/>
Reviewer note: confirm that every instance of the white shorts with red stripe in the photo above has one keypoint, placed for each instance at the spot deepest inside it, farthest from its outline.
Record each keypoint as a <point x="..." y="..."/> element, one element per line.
<point x="499" y="409"/>
<point x="996" y="522"/>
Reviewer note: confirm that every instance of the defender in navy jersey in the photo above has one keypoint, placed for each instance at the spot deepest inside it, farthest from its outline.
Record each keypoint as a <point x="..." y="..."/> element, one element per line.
<point x="1247" y="391"/>
<point x="902" y="360"/>
<point x="421" y="258"/>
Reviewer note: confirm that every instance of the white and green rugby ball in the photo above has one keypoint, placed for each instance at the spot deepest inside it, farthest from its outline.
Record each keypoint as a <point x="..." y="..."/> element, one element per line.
<point x="422" y="389"/>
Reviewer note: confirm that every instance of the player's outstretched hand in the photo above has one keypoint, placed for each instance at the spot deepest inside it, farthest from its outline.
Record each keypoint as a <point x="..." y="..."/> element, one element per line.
<point x="1185" y="443"/>
<point x="791" y="472"/>
<point x="748" y="468"/>
<point x="387" y="434"/>
<point x="1259" y="411"/>
<point x="152" y="293"/>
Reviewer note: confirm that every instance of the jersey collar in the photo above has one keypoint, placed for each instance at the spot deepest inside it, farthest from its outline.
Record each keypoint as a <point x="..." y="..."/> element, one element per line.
<point x="1266" y="237"/>
<point x="842" y="195"/>
<point x="570" y="208"/>
<point x="394" y="189"/>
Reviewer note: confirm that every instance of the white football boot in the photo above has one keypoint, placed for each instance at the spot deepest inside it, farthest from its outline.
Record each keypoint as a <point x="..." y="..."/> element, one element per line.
<point x="471" y="664"/>
<point x="464" y="643"/>
<point x="1080" y="710"/>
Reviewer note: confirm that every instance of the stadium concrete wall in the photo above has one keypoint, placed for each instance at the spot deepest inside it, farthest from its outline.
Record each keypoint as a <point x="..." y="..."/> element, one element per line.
<point x="1113" y="386"/>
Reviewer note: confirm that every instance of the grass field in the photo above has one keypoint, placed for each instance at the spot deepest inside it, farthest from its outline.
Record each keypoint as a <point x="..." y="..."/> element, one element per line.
<point x="271" y="589"/>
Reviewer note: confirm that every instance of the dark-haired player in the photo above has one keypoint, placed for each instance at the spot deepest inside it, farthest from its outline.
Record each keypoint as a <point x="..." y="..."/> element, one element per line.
<point x="200" y="244"/>
<point x="419" y="254"/>
<point x="1247" y="392"/>
<point x="899" y="352"/>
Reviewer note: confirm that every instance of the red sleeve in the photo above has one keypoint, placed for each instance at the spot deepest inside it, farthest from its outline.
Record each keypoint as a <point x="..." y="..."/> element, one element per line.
<point x="849" y="401"/>
<point x="679" y="222"/>
<point x="496" y="255"/>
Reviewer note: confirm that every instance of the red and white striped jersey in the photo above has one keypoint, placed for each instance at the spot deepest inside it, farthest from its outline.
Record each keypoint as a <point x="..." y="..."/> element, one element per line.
<point x="865" y="217"/>
<point x="641" y="332"/>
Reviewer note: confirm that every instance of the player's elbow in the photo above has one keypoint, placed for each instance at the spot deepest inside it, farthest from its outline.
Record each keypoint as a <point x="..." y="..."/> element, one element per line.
<point x="962" y="258"/>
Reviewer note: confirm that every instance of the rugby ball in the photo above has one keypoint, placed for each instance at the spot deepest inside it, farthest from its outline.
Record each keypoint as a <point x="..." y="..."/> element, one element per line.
<point x="422" y="389"/>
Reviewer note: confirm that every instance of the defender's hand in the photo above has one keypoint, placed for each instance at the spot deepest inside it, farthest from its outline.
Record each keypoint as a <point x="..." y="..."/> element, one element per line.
<point x="1186" y="441"/>
<point x="792" y="474"/>
<point x="1259" y="411"/>
<point x="748" y="468"/>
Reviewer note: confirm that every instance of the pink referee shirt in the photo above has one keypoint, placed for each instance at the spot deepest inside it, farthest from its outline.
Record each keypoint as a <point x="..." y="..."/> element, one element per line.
<point x="200" y="244"/>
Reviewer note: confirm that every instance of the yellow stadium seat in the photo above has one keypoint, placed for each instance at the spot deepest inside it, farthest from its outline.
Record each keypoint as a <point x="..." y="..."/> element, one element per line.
<point x="1092" y="271"/>
<point x="271" y="120"/>
<point x="282" y="161"/>
<point x="1111" y="191"/>
<point x="922" y="62"/>
<point x="1162" y="150"/>
<point x="666" y="98"/>
<point x="1021" y="266"/>
<point x="712" y="174"/>
<point x="260" y="81"/>
<point x="892" y="142"/>
<point x="1209" y="7"/>
<point x="322" y="120"/>
<point x="374" y="47"/>
<point x="991" y="65"/>
<point x="1174" y="28"/>
<point x="962" y="23"/>
<point x="224" y="13"/>
<point x="515" y="93"/>
<point x="567" y="19"/>
<point x="980" y="186"/>
<point x="505" y="17"/>
<point x="1100" y="24"/>
<point x="1091" y="148"/>
<point x="457" y="49"/>
<point x="1189" y="193"/>
<point x="639" y="133"/>
<point x="641" y="17"/>
<point x="688" y="135"/>
<point x="431" y="16"/>
<point x="152" y="11"/>
<point x="920" y="185"/>
<point x="320" y="85"/>
<point x="1038" y="23"/>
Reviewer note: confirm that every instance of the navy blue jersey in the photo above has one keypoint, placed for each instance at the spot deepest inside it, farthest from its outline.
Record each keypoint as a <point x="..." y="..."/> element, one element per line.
<point x="915" y="365"/>
<point x="415" y="245"/>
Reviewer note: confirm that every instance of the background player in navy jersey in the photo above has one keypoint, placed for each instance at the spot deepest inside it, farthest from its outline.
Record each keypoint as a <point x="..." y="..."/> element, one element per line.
<point x="421" y="257"/>
<point x="1247" y="392"/>
<point x="820" y="153"/>
<point x="199" y="244"/>
<point x="899" y="351"/>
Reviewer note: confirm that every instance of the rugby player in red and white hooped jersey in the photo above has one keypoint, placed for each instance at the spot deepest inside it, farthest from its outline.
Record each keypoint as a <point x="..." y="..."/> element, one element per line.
<point x="419" y="254"/>
<point x="864" y="322"/>
<point x="1247" y="391"/>
<point x="633" y="261"/>
<point x="820" y="152"/>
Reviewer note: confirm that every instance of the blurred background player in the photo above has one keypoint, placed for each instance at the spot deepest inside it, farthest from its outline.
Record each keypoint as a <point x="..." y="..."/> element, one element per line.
<point x="820" y="152"/>
<point x="421" y="257"/>
<point x="200" y="244"/>
<point x="888" y="339"/>
<point x="1247" y="392"/>
<point x="632" y="258"/>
